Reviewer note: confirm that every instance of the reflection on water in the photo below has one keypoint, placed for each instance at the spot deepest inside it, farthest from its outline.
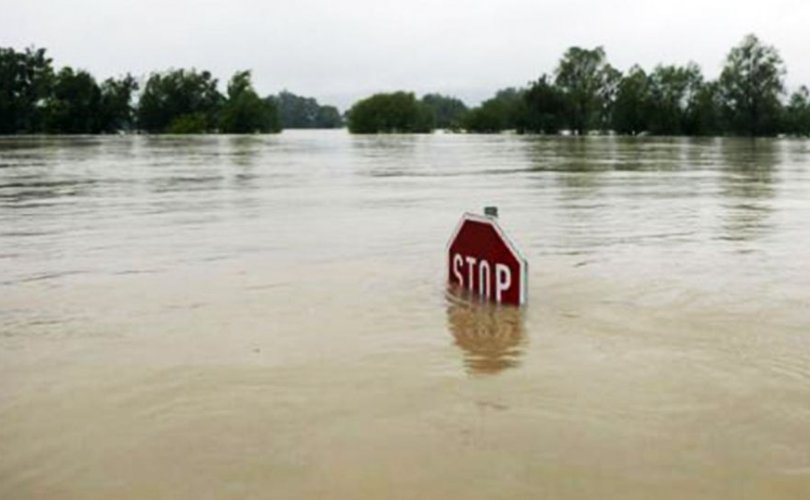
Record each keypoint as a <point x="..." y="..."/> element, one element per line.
<point x="491" y="336"/>
<point x="39" y="189"/>
<point x="747" y="184"/>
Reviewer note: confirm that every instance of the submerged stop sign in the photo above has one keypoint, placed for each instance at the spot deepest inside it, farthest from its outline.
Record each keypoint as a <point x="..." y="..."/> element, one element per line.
<point x="481" y="259"/>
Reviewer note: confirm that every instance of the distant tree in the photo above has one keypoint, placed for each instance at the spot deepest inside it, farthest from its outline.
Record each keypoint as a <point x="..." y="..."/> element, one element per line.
<point x="611" y="78"/>
<point x="704" y="112"/>
<point x="179" y="97"/>
<point x="545" y="107"/>
<point x="244" y="112"/>
<point x="671" y="90"/>
<point x="506" y="111"/>
<point x="488" y="118"/>
<point x="797" y="113"/>
<point x="397" y="112"/>
<point x="25" y="81"/>
<point x="296" y="111"/>
<point x="751" y="85"/>
<point x="74" y="105"/>
<point x="588" y="82"/>
<point x="631" y="107"/>
<point x="188" y="123"/>
<point x="585" y="93"/>
<point x="305" y="112"/>
<point x="329" y="117"/>
<point x="449" y="111"/>
<point x="117" y="112"/>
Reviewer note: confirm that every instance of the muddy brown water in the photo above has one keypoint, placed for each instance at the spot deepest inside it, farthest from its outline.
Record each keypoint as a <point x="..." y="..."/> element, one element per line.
<point x="266" y="317"/>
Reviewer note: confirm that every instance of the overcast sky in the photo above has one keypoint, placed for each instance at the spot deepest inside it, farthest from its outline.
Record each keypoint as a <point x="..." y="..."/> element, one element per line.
<point x="338" y="51"/>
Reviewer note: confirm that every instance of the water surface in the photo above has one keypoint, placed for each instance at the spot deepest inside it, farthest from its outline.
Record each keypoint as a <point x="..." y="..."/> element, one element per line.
<point x="266" y="316"/>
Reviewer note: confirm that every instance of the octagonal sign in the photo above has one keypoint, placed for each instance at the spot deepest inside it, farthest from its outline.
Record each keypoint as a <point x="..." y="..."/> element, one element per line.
<point x="482" y="259"/>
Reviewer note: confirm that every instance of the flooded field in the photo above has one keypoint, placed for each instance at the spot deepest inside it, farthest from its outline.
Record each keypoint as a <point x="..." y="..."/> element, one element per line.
<point x="266" y="317"/>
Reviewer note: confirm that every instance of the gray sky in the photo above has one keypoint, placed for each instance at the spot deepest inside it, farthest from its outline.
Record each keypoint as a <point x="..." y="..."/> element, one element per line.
<point x="338" y="51"/>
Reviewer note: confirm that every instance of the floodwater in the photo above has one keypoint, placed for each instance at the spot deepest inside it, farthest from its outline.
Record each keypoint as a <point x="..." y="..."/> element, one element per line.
<point x="266" y="317"/>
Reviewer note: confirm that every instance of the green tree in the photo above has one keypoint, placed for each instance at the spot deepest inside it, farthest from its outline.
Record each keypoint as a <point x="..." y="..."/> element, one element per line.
<point x="797" y="113"/>
<point x="671" y="90"/>
<point x="611" y="78"/>
<point x="588" y="82"/>
<point x="74" y="104"/>
<point x="545" y="107"/>
<point x="169" y="97"/>
<point x="244" y="112"/>
<point x="305" y="112"/>
<point x="117" y="112"/>
<point x="506" y="111"/>
<point x="297" y="111"/>
<point x="631" y="107"/>
<point x="751" y="85"/>
<point x="449" y="111"/>
<point x="704" y="113"/>
<point x="188" y="123"/>
<point x="329" y="117"/>
<point x="25" y="81"/>
<point x="397" y="112"/>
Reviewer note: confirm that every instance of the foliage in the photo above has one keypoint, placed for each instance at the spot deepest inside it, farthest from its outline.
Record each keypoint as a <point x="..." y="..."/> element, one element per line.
<point x="245" y="112"/>
<point x="797" y="113"/>
<point x="74" y="104"/>
<point x="449" y="111"/>
<point x="397" y="112"/>
<point x="506" y="111"/>
<point x="671" y="90"/>
<point x="751" y="85"/>
<point x="190" y="123"/>
<point x="630" y="109"/>
<point x="305" y="112"/>
<point x="588" y="82"/>
<point x="704" y="114"/>
<point x="329" y="117"/>
<point x="611" y="78"/>
<point x="545" y="107"/>
<point x="169" y="97"/>
<point x="25" y="82"/>
<point x="117" y="112"/>
<point x="585" y="93"/>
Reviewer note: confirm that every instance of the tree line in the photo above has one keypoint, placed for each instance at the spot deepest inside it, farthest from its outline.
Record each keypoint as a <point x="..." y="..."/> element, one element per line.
<point x="36" y="98"/>
<point x="586" y="94"/>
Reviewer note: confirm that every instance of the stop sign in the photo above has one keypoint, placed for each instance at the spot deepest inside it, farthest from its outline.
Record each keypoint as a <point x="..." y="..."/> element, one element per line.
<point x="482" y="259"/>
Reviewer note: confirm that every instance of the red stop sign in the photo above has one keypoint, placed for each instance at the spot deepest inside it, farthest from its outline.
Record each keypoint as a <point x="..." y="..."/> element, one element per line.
<point x="481" y="259"/>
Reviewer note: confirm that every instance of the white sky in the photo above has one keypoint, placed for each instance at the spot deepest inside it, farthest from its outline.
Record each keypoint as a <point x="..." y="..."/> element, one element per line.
<point x="338" y="51"/>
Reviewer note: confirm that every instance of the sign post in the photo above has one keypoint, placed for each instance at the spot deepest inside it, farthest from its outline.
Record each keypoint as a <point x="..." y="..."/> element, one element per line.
<point x="482" y="259"/>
